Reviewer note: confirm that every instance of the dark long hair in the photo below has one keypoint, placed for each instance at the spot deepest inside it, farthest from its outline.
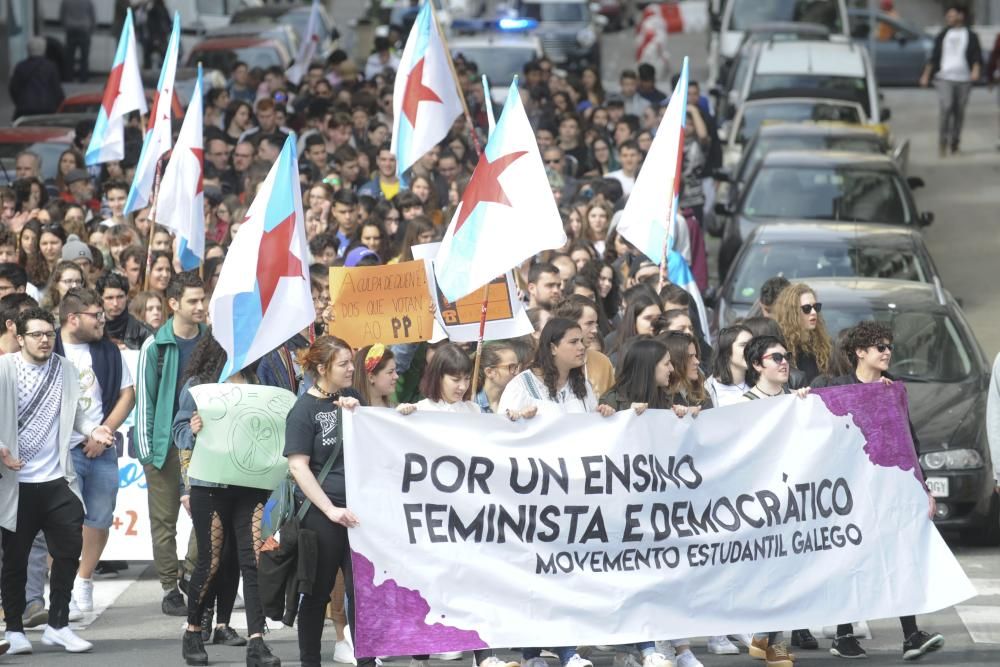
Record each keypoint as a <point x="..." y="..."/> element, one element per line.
<point x="552" y="334"/>
<point x="640" y="302"/>
<point x="693" y="392"/>
<point x="724" y="352"/>
<point x="612" y="301"/>
<point x="207" y="361"/>
<point x="449" y="359"/>
<point x="635" y="380"/>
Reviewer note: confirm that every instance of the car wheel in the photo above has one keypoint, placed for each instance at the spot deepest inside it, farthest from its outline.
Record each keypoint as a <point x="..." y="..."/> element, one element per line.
<point x="988" y="534"/>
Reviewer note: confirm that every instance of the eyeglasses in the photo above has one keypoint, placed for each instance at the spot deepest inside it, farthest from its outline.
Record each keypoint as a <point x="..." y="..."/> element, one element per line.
<point x="38" y="335"/>
<point x="99" y="315"/>
<point x="511" y="369"/>
<point x="71" y="282"/>
<point x="808" y="308"/>
<point x="779" y="357"/>
<point x="882" y="347"/>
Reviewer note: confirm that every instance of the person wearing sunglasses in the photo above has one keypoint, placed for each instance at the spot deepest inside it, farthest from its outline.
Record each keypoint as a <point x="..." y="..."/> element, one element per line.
<point x="868" y="345"/>
<point x="767" y="368"/>
<point x="499" y="366"/>
<point x="798" y="313"/>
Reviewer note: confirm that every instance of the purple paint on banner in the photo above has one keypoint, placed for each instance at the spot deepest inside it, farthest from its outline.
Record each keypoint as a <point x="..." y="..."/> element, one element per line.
<point x="881" y="412"/>
<point x="392" y="620"/>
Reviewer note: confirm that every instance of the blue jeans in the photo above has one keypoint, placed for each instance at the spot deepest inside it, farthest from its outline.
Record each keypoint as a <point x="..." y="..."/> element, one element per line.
<point x="98" y="479"/>
<point x="564" y="653"/>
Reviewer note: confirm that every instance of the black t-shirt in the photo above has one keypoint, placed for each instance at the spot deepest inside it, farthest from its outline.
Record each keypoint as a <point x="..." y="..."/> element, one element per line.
<point x="313" y="428"/>
<point x="185" y="347"/>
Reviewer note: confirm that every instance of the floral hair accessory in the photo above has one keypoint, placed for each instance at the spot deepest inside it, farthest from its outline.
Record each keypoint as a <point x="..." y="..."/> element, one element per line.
<point x="374" y="357"/>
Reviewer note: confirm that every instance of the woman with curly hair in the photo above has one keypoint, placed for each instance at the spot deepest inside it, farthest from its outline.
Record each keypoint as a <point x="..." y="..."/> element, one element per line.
<point x="29" y="255"/>
<point x="65" y="276"/>
<point x="798" y="314"/>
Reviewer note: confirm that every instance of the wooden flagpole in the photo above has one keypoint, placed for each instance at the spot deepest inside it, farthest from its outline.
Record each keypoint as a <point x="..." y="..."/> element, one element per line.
<point x="152" y="222"/>
<point x="458" y="84"/>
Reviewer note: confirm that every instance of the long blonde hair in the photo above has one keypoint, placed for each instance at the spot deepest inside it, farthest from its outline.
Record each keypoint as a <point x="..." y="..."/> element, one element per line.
<point x="788" y="312"/>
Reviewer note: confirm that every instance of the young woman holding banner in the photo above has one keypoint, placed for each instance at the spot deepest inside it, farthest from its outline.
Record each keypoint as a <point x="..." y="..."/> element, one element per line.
<point x="312" y="436"/>
<point x="499" y="366"/>
<point x="375" y="375"/>
<point x="687" y="384"/>
<point x="227" y="521"/>
<point x="555" y="384"/>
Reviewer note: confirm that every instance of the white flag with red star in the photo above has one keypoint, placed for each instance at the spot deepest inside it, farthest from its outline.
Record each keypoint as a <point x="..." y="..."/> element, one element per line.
<point x="180" y="204"/>
<point x="425" y="100"/>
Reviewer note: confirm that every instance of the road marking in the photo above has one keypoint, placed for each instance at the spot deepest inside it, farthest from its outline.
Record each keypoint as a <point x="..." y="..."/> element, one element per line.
<point x="982" y="622"/>
<point x="985" y="587"/>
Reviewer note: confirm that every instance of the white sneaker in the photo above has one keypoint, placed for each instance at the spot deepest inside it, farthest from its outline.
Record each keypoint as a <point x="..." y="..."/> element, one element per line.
<point x="450" y="655"/>
<point x="343" y="652"/>
<point x="534" y="662"/>
<point x="19" y="643"/>
<point x="577" y="661"/>
<point x="687" y="659"/>
<point x="666" y="648"/>
<point x="83" y="594"/>
<point x="623" y="659"/>
<point x="75" y="613"/>
<point x="656" y="660"/>
<point x="493" y="661"/>
<point x="66" y="638"/>
<point x="722" y="646"/>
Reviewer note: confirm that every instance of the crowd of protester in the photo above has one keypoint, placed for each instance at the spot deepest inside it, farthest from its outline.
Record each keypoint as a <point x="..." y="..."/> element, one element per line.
<point x="79" y="278"/>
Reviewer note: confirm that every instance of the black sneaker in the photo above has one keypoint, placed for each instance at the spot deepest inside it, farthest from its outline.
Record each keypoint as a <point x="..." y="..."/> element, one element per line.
<point x="229" y="637"/>
<point x="921" y="642"/>
<point x="173" y="604"/>
<point x="847" y="646"/>
<point x="193" y="649"/>
<point x="804" y="639"/>
<point x="259" y="654"/>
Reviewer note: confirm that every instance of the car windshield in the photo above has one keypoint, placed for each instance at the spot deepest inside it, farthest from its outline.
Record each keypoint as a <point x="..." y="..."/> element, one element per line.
<point x="748" y="13"/>
<point x="850" y="194"/>
<point x="498" y="64"/>
<point x="854" y="87"/>
<point x="927" y="345"/>
<point x="223" y="60"/>
<point x="762" y="145"/>
<point x="558" y="12"/>
<point x="800" y="260"/>
<point x="793" y="112"/>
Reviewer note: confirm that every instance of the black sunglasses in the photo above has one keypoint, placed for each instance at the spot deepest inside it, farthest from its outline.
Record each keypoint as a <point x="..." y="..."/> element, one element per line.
<point x="808" y="308"/>
<point x="778" y="357"/>
<point x="882" y="347"/>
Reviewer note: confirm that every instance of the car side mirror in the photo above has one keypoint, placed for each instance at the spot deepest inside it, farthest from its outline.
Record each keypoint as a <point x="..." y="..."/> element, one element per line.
<point x="884" y="114"/>
<point x="723" y="208"/>
<point x="915" y="182"/>
<point x="901" y="38"/>
<point x="926" y="218"/>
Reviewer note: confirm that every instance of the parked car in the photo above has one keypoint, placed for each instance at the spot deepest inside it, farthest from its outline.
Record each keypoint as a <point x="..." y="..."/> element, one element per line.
<point x="820" y="186"/>
<point x="64" y="120"/>
<point x="47" y="142"/>
<point x="223" y="52"/>
<point x="89" y="101"/>
<point x="731" y="20"/>
<point x="946" y="375"/>
<point x="808" y="249"/>
<point x="819" y="66"/>
<point x="285" y="34"/>
<point x="901" y="49"/>
<point x="788" y="106"/>
<point x="569" y="30"/>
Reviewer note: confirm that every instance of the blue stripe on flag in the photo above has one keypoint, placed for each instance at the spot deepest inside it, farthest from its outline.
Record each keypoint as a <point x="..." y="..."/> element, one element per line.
<point x="423" y="35"/>
<point x="281" y="203"/>
<point x="654" y="244"/>
<point x="189" y="261"/>
<point x="247" y="318"/>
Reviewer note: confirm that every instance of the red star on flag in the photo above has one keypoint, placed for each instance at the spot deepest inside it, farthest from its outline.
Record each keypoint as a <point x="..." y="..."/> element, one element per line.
<point x="485" y="185"/>
<point x="112" y="89"/>
<point x="416" y="92"/>
<point x="199" y="153"/>
<point x="275" y="260"/>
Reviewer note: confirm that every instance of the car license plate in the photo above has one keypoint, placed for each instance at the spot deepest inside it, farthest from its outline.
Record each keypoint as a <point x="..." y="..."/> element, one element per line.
<point x="938" y="486"/>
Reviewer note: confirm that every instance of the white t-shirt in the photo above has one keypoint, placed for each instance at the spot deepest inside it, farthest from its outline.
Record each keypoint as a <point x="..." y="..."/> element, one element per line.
<point x="90" y="388"/>
<point x="464" y="407"/>
<point x="41" y="465"/>
<point x="725" y="394"/>
<point x="527" y="389"/>
<point x="628" y="182"/>
<point x="954" y="66"/>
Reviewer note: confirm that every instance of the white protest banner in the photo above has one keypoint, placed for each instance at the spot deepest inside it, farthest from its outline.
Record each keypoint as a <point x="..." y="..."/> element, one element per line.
<point x="560" y="531"/>
<point x="459" y="321"/>
<point x="130" y="537"/>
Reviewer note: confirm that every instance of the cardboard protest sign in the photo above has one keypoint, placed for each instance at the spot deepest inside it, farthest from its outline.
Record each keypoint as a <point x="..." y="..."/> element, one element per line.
<point x="243" y="435"/>
<point x="459" y="320"/>
<point x="381" y="304"/>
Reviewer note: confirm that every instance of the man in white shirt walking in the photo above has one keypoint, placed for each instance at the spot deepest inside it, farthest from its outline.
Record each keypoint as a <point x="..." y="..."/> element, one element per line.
<point x="954" y="65"/>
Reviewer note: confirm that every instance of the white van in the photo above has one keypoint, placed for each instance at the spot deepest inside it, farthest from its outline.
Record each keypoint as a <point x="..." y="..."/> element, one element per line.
<point x="739" y="15"/>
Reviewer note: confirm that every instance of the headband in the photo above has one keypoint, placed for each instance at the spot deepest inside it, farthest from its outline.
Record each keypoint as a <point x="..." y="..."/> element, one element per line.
<point x="374" y="357"/>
